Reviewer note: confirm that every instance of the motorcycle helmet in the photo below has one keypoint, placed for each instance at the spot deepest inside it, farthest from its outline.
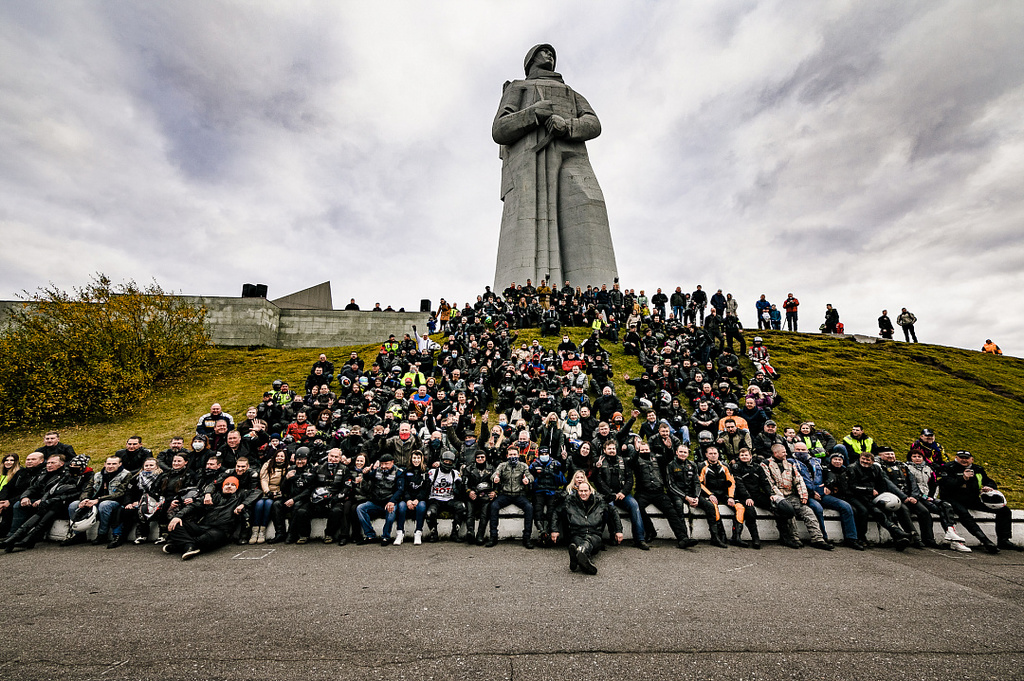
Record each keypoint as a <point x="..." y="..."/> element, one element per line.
<point x="783" y="509"/>
<point x="993" y="500"/>
<point x="84" y="519"/>
<point x="888" y="500"/>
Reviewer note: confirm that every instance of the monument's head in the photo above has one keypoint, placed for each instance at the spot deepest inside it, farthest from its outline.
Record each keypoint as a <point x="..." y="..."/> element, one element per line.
<point x="542" y="55"/>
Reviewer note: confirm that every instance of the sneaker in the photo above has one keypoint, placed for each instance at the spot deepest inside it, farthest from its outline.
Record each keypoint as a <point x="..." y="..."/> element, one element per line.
<point x="363" y="541"/>
<point x="302" y="540"/>
<point x="385" y="541"/>
<point x="190" y="553"/>
<point x="116" y="542"/>
<point x="166" y="548"/>
<point x="399" y="537"/>
<point x="960" y="547"/>
<point x="140" y="540"/>
<point x="951" y="536"/>
<point x="328" y="539"/>
<point x="161" y="540"/>
<point x="417" y="538"/>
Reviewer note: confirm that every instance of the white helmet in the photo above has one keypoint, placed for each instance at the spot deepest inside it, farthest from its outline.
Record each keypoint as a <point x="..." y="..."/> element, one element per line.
<point x="758" y="339"/>
<point x="889" y="500"/>
<point x="993" y="500"/>
<point x="84" y="519"/>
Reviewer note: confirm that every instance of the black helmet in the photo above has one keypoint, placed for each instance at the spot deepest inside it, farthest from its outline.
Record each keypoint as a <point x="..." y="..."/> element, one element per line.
<point x="783" y="509"/>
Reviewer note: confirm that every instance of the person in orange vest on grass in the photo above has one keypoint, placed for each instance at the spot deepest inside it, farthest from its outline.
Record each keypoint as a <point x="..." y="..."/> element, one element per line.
<point x="991" y="347"/>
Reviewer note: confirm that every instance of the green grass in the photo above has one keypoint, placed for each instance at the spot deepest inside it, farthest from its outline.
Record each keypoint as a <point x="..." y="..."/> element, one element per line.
<point x="972" y="400"/>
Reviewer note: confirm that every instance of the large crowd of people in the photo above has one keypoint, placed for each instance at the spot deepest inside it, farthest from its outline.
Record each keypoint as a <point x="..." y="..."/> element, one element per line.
<point x="484" y="420"/>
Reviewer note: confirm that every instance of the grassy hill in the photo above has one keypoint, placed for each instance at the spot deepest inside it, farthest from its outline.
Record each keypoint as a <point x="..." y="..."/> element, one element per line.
<point x="972" y="401"/>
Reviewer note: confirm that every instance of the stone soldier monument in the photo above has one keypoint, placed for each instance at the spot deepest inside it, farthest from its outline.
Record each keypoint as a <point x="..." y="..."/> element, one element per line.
<point x="554" y="220"/>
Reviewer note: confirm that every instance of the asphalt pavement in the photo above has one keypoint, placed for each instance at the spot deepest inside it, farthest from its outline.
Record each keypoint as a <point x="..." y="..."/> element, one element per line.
<point x="450" y="611"/>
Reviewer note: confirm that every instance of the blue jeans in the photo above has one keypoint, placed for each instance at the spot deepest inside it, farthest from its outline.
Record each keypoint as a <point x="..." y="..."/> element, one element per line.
<point x="105" y="509"/>
<point x="503" y="500"/>
<point x="261" y="512"/>
<point x="19" y="515"/>
<point x="677" y="310"/>
<point x="635" y="519"/>
<point x="816" y="507"/>
<point x="845" y="515"/>
<point x="370" y="508"/>
<point x="421" y="512"/>
<point x="684" y="434"/>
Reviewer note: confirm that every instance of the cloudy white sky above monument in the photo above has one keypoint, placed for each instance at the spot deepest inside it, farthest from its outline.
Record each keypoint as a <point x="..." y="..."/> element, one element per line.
<point x="864" y="154"/>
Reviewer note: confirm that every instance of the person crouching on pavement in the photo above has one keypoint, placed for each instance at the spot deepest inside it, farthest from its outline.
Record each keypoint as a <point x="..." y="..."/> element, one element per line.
<point x="584" y="514"/>
<point x="205" y="527"/>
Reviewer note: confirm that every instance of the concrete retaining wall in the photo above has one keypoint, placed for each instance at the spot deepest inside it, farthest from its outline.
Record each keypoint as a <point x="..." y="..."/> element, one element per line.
<point x="243" y="322"/>
<point x="326" y="328"/>
<point x="510" y="526"/>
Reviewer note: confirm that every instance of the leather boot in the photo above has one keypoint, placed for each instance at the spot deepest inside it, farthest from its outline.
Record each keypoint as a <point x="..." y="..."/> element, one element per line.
<point x="14" y="538"/>
<point x="900" y="538"/>
<point x="718" y="535"/>
<point x="755" y="538"/>
<point x="737" y="528"/>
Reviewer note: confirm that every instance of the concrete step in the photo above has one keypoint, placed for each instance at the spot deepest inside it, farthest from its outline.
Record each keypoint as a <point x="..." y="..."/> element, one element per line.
<point x="510" y="525"/>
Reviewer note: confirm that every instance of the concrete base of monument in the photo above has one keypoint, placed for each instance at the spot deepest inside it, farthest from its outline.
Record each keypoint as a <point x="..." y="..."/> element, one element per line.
<point x="510" y="526"/>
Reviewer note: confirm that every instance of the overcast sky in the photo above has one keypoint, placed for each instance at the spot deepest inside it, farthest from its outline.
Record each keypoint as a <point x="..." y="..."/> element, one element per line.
<point x="865" y="154"/>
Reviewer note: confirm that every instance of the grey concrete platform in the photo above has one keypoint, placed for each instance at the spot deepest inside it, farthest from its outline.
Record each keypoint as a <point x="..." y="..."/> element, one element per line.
<point x="453" y="611"/>
<point x="511" y="526"/>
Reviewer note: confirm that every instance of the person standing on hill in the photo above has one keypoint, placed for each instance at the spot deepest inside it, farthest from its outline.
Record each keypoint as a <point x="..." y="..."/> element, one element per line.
<point x="907" y="321"/>
<point x="791" y="306"/>
<point x="763" y="308"/>
<point x="699" y="300"/>
<point x="678" y="303"/>
<point x="885" y="327"/>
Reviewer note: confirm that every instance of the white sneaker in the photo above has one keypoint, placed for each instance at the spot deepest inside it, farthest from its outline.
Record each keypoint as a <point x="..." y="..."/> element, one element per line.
<point x="417" y="538"/>
<point x="399" y="537"/>
<point x="951" y="536"/>
<point x="959" y="546"/>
